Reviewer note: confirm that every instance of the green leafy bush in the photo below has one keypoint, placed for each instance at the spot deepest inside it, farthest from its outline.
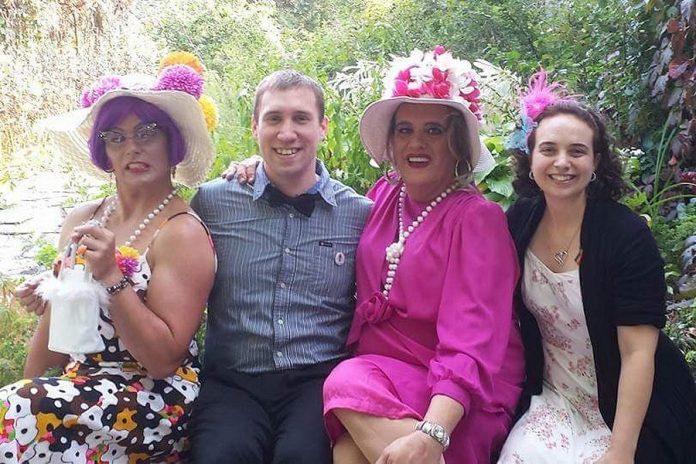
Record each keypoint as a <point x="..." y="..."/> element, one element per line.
<point x="46" y="255"/>
<point x="16" y="328"/>
<point x="670" y="236"/>
<point x="680" y="328"/>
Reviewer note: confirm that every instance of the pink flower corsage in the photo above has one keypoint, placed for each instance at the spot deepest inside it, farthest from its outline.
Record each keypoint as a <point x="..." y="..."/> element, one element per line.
<point x="128" y="260"/>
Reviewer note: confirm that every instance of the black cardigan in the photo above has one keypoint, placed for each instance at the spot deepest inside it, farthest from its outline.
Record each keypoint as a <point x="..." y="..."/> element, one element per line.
<point x="622" y="283"/>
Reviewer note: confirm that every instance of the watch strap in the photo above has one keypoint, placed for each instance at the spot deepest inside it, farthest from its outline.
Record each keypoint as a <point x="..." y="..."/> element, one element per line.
<point x="435" y="431"/>
<point x="118" y="286"/>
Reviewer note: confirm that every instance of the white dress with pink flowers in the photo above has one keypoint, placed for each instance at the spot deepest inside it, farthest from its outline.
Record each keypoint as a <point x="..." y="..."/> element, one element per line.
<point x="563" y="424"/>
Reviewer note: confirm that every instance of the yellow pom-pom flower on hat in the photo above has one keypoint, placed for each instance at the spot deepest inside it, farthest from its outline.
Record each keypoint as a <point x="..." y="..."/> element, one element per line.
<point x="210" y="112"/>
<point x="189" y="59"/>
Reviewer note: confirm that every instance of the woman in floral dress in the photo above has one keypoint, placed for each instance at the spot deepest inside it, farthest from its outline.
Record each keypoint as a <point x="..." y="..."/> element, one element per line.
<point x="129" y="402"/>
<point x="604" y="385"/>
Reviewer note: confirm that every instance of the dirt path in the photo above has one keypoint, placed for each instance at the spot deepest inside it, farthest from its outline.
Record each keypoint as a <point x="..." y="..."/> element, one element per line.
<point x="33" y="210"/>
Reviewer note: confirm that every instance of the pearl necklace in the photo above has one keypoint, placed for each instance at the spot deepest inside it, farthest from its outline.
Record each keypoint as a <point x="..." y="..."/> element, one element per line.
<point x="396" y="249"/>
<point x="143" y="225"/>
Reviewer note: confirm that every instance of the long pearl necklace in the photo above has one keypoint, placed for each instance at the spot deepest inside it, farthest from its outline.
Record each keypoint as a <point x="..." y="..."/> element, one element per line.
<point x="396" y="249"/>
<point x="108" y="211"/>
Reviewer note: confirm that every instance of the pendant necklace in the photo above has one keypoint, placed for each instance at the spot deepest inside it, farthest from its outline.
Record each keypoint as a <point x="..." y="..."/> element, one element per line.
<point x="561" y="255"/>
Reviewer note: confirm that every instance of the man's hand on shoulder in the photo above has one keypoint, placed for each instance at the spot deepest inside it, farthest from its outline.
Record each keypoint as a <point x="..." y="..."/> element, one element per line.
<point x="244" y="171"/>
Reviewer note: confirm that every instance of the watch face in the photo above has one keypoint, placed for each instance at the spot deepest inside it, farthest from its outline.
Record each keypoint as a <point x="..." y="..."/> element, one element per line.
<point x="435" y="431"/>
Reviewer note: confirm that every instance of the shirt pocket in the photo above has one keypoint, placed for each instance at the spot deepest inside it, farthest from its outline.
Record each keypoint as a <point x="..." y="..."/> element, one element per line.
<point x="333" y="268"/>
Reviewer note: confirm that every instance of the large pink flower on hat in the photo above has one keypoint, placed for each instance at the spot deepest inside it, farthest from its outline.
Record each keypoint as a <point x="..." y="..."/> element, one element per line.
<point x="92" y="94"/>
<point x="434" y="75"/>
<point x="180" y="77"/>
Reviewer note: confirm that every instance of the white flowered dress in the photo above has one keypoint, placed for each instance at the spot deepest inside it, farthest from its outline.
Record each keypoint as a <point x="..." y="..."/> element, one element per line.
<point x="563" y="424"/>
<point x="104" y="408"/>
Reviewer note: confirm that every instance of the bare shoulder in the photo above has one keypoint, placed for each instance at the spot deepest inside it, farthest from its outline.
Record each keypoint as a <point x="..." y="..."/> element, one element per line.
<point x="80" y="214"/>
<point x="83" y="211"/>
<point x="180" y="235"/>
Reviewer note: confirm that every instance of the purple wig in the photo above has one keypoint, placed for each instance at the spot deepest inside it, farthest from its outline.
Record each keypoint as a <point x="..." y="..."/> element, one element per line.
<point x="115" y="111"/>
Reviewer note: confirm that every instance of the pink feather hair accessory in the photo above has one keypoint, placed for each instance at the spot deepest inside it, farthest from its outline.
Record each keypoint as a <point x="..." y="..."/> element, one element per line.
<point x="540" y="95"/>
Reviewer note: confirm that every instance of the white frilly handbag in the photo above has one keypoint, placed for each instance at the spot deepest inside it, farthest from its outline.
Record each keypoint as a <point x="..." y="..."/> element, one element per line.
<point x="75" y="299"/>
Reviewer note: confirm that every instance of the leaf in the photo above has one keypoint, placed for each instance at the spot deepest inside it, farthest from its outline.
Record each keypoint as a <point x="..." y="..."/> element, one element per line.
<point x="495" y="144"/>
<point x="674" y="96"/>
<point x="686" y="7"/>
<point x="614" y="54"/>
<point x="678" y="39"/>
<point x="677" y="67"/>
<point x="501" y="186"/>
<point x="492" y="196"/>
<point x="660" y="84"/>
<point x="635" y="201"/>
<point x="665" y="54"/>
<point x="674" y="25"/>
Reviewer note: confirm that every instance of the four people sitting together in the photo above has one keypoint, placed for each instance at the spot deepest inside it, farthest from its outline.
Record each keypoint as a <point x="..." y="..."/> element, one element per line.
<point x="416" y="325"/>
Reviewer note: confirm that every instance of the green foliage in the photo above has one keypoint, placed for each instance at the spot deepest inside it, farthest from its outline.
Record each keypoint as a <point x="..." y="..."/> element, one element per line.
<point x="496" y="184"/>
<point x="82" y="191"/>
<point x="670" y="236"/>
<point x="671" y="73"/>
<point x="680" y="328"/>
<point x="344" y="156"/>
<point x="233" y="139"/>
<point x="16" y="328"/>
<point x="46" y="255"/>
<point x="239" y="42"/>
<point x="661" y="190"/>
<point x="632" y="58"/>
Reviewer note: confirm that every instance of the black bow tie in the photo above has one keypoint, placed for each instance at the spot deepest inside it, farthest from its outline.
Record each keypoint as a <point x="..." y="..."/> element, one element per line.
<point x="304" y="203"/>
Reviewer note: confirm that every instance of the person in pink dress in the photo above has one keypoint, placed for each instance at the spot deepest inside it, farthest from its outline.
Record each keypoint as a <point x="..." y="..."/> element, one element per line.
<point x="438" y="359"/>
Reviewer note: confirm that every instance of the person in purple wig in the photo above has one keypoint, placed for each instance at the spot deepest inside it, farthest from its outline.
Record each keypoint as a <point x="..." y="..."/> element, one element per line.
<point x="117" y="110"/>
<point x="152" y="265"/>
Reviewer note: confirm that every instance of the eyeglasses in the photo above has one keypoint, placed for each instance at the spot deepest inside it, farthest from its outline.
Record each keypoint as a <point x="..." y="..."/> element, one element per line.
<point x="144" y="134"/>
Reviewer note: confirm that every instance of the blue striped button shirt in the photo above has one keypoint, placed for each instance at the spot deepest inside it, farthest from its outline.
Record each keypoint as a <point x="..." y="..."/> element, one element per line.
<point x="284" y="291"/>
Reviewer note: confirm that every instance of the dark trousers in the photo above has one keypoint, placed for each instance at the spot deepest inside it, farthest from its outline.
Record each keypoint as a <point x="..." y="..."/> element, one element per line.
<point x="270" y="418"/>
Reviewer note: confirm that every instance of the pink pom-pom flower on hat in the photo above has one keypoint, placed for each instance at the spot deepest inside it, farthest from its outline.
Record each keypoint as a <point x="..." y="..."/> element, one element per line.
<point x="91" y="94"/>
<point x="435" y="74"/>
<point x="180" y="77"/>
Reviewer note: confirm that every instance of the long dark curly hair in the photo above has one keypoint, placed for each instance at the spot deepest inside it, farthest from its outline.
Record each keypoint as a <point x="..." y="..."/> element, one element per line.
<point x="609" y="182"/>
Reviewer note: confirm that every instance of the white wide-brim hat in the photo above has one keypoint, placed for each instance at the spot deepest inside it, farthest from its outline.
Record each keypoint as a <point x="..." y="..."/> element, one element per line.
<point x="71" y="131"/>
<point x="376" y="120"/>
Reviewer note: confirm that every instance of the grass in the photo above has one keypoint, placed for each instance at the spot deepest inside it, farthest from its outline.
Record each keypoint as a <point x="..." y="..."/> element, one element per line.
<point x="16" y="328"/>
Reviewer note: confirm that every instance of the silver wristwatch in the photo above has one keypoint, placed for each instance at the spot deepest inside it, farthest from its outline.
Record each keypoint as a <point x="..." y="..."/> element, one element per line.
<point x="436" y="431"/>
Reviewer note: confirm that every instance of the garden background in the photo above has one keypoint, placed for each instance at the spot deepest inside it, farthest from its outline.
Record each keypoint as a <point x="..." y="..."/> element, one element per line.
<point x="633" y="59"/>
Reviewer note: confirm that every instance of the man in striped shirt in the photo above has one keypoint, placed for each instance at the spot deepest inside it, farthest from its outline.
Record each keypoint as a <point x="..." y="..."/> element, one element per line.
<point x="283" y="299"/>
